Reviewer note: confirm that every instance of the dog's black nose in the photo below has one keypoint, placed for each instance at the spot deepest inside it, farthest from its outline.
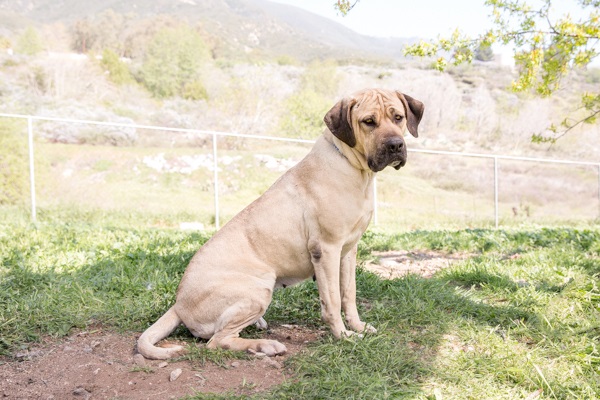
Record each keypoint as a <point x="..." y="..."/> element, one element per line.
<point x="395" y="145"/>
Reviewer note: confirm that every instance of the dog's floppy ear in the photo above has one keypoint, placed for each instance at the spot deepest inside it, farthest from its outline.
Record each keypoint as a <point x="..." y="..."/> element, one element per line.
<point x="414" y="112"/>
<point x="339" y="123"/>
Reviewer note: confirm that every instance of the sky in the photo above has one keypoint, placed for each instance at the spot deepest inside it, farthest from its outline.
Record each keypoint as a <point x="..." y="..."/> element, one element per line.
<point x="416" y="18"/>
<point x="403" y="18"/>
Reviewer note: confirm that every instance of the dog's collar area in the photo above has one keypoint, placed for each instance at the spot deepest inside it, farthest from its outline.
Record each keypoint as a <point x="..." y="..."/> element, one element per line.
<point x="352" y="158"/>
<point x="338" y="149"/>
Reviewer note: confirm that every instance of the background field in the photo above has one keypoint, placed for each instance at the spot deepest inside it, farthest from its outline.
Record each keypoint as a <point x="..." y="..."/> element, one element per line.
<point x="170" y="181"/>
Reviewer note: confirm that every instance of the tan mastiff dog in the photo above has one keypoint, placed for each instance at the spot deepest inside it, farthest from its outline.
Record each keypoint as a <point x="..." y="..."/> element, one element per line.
<point x="307" y="224"/>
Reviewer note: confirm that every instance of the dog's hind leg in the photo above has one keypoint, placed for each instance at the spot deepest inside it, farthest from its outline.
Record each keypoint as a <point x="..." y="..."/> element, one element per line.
<point x="237" y="317"/>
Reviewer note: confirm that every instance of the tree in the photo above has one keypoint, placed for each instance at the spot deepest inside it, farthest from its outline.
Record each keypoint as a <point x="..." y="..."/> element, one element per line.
<point x="108" y="27"/>
<point x="30" y="42"/>
<point x="118" y="72"/>
<point x="546" y="48"/>
<point x="173" y="60"/>
<point x="84" y="36"/>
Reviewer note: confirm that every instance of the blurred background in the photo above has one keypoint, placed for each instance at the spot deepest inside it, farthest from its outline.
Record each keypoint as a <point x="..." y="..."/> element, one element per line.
<point x="259" y="68"/>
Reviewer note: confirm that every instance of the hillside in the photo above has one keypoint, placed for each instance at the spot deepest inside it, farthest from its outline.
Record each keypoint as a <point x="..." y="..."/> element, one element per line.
<point x="257" y="48"/>
<point x="272" y="29"/>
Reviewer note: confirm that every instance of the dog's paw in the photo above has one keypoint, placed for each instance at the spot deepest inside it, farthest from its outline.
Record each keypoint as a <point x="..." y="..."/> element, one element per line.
<point x="363" y="327"/>
<point x="369" y="329"/>
<point x="261" y="324"/>
<point x="269" y="348"/>
<point x="345" y="334"/>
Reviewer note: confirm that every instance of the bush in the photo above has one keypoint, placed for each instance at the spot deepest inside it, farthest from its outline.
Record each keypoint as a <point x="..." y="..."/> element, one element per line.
<point x="117" y="70"/>
<point x="321" y="77"/>
<point x="286" y="60"/>
<point x="194" y="90"/>
<point x="13" y="163"/>
<point x="173" y="59"/>
<point x="30" y="42"/>
<point x="306" y="108"/>
<point x="304" y="116"/>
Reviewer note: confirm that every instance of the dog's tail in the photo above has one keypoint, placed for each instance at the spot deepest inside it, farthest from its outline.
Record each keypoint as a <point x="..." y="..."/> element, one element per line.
<point x="158" y="331"/>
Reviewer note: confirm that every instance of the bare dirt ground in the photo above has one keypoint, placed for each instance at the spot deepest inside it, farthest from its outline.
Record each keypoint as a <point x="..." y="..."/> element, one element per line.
<point x="101" y="364"/>
<point x="396" y="264"/>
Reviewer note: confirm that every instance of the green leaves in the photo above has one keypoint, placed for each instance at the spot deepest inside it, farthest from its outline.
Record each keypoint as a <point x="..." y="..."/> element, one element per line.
<point x="30" y="42"/>
<point x="118" y="72"/>
<point x="344" y="6"/>
<point x="173" y="63"/>
<point x="546" y="48"/>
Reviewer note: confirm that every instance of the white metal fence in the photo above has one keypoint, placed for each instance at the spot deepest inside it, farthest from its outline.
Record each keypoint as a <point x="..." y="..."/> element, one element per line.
<point x="215" y="134"/>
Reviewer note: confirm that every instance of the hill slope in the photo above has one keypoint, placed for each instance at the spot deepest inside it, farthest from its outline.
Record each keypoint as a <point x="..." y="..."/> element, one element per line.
<point x="274" y="28"/>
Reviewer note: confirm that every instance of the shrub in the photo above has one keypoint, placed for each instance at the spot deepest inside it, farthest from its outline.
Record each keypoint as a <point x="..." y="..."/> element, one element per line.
<point x="173" y="59"/>
<point x="117" y="70"/>
<point x="30" y="42"/>
<point x="304" y="116"/>
<point x="306" y="108"/>
<point x="321" y="77"/>
<point x="194" y="90"/>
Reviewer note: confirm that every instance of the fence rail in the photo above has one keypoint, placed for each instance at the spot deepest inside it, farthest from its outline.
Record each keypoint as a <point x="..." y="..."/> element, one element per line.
<point x="215" y="134"/>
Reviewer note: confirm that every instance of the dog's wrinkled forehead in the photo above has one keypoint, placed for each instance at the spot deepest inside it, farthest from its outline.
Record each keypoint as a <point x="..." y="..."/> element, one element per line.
<point x="378" y="101"/>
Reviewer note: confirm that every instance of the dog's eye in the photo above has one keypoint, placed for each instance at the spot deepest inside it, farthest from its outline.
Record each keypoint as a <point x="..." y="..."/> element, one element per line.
<point x="369" y="121"/>
<point x="399" y="117"/>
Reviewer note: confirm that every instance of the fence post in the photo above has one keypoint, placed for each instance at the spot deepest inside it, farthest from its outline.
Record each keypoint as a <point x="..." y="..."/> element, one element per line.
<point x="216" y="178"/>
<point x="31" y="169"/>
<point x="496" y="206"/>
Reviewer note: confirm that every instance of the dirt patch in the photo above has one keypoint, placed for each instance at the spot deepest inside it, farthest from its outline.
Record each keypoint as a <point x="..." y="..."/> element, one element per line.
<point x="101" y="365"/>
<point x="396" y="264"/>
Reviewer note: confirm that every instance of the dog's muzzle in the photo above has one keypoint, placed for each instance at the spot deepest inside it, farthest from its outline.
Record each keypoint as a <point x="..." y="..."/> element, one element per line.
<point x="391" y="152"/>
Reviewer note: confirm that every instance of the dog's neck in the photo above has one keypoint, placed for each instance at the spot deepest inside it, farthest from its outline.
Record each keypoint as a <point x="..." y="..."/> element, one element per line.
<point x="355" y="159"/>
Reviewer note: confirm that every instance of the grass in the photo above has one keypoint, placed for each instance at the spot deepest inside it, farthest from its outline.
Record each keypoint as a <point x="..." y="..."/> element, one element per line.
<point x="521" y="315"/>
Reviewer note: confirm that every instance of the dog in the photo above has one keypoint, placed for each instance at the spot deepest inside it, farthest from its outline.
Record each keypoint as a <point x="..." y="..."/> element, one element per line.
<point x="307" y="224"/>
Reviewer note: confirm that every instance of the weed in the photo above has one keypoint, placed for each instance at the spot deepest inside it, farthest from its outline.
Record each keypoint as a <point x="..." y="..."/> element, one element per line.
<point x="201" y="355"/>
<point x="146" y="369"/>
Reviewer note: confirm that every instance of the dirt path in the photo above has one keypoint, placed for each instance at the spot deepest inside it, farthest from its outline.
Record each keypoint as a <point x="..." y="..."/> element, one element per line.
<point x="99" y="364"/>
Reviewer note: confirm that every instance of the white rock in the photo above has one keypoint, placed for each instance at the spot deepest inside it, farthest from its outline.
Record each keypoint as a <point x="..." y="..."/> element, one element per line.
<point x="175" y="374"/>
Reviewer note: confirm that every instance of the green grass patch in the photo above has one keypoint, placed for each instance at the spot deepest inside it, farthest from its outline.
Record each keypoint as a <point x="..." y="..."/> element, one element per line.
<point x="521" y="314"/>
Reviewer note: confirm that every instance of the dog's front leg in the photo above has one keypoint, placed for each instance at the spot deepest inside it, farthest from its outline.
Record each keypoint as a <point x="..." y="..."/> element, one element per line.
<point x="326" y="262"/>
<point x="348" y="292"/>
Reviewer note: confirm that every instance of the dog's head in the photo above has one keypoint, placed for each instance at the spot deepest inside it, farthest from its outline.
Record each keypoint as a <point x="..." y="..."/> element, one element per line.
<point x="372" y="122"/>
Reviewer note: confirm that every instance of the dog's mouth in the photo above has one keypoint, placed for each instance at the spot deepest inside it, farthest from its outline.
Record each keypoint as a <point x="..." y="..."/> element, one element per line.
<point x="377" y="164"/>
<point x="390" y="152"/>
